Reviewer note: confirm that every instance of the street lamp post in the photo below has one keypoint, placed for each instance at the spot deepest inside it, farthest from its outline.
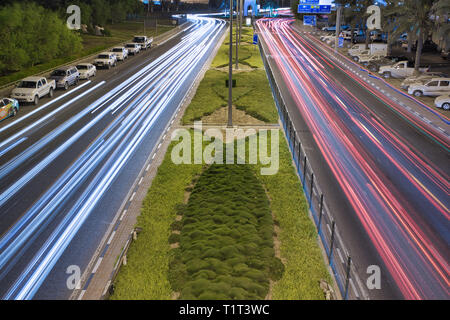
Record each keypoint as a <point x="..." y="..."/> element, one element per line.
<point x="230" y="69"/>
<point x="237" y="33"/>
<point x="338" y="26"/>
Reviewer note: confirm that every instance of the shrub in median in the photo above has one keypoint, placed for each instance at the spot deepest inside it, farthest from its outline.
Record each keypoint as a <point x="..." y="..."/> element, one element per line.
<point x="226" y="242"/>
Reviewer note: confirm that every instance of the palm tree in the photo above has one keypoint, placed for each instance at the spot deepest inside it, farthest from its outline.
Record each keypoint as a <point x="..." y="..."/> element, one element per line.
<point x="388" y="23"/>
<point x="414" y="16"/>
<point x="441" y="11"/>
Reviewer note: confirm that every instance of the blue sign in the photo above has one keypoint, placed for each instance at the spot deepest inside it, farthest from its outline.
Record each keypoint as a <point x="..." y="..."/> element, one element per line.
<point x="341" y="42"/>
<point x="312" y="8"/>
<point x="255" y="38"/>
<point x="309" y="20"/>
<point x="309" y="1"/>
<point x="325" y="9"/>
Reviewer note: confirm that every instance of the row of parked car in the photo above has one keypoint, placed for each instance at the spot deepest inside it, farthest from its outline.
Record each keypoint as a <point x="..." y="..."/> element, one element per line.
<point x="425" y="84"/>
<point x="31" y="89"/>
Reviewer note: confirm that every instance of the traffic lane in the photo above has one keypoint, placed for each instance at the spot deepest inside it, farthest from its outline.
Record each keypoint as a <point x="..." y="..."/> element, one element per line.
<point x="423" y="164"/>
<point x="123" y="184"/>
<point x="87" y="240"/>
<point x="12" y="211"/>
<point x="69" y="134"/>
<point x="357" y="241"/>
<point x="422" y="116"/>
<point x="122" y="71"/>
<point x="332" y="121"/>
<point x="427" y="244"/>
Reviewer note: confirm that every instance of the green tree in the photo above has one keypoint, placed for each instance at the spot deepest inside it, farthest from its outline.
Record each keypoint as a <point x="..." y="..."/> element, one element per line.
<point x="33" y="35"/>
<point x="414" y="16"/>
<point x="441" y="11"/>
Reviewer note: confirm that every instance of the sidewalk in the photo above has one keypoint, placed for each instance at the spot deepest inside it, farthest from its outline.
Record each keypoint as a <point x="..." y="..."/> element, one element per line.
<point x="406" y="103"/>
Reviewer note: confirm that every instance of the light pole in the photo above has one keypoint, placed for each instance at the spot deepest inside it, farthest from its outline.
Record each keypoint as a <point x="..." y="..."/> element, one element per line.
<point x="338" y="26"/>
<point x="237" y="33"/>
<point x="230" y="70"/>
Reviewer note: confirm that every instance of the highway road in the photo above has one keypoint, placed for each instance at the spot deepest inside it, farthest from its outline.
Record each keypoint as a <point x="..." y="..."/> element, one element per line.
<point x="385" y="174"/>
<point x="66" y="168"/>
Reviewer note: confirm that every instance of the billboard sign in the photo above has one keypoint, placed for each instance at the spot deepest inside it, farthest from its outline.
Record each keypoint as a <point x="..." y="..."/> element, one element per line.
<point x="313" y="8"/>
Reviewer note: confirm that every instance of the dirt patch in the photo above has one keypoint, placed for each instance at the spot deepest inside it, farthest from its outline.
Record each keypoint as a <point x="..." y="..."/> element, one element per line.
<point x="220" y="116"/>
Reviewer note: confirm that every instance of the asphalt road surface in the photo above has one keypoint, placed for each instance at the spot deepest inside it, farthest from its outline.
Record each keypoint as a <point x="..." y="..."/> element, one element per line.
<point x="65" y="169"/>
<point x="385" y="175"/>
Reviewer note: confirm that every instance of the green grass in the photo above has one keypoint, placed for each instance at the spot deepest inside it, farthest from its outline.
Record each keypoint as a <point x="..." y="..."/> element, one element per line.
<point x="252" y="93"/>
<point x="120" y="32"/>
<point x="248" y="55"/>
<point x="226" y="243"/>
<point x="302" y="257"/>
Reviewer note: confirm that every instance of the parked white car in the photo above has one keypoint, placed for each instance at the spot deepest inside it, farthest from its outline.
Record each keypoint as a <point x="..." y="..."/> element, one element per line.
<point x="106" y="60"/>
<point x="120" y="52"/>
<point x="432" y="87"/>
<point x="443" y="102"/>
<point x="401" y="69"/>
<point x="86" y="70"/>
<point x="421" y="78"/>
<point x="133" y="48"/>
<point x="31" y="89"/>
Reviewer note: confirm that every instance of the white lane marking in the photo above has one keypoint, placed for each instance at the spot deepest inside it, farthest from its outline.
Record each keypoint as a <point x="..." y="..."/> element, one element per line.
<point x="132" y="196"/>
<point x="140" y="180"/>
<point x="123" y="214"/>
<point x="111" y="237"/>
<point x="80" y="297"/>
<point x="97" y="265"/>
<point x="354" y="288"/>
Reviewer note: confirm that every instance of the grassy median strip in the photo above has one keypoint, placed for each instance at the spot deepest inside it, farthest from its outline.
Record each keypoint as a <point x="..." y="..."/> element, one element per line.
<point x="226" y="242"/>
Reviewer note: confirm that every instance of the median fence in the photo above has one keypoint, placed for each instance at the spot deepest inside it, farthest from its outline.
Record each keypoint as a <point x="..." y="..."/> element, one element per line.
<point x="339" y="259"/>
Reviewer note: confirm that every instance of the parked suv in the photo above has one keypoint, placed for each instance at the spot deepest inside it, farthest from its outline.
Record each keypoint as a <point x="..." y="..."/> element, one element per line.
<point x="65" y="77"/>
<point x="133" y="48"/>
<point x="120" y="52"/>
<point x="106" y="60"/>
<point x="86" y="70"/>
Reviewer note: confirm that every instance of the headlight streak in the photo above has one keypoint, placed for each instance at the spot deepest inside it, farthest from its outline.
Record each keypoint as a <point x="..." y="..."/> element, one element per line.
<point x="412" y="254"/>
<point x="121" y="139"/>
<point x="17" y="161"/>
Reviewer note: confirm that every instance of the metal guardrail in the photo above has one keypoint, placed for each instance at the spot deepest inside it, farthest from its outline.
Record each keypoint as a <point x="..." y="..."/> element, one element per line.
<point x="122" y="260"/>
<point x="11" y="85"/>
<point x="340" y="261"/>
